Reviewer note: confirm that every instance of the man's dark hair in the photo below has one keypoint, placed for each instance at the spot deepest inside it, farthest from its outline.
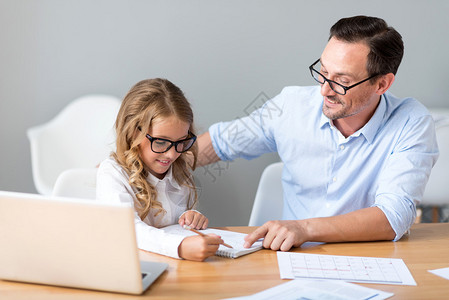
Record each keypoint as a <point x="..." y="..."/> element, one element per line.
<point x="385" y="43"/>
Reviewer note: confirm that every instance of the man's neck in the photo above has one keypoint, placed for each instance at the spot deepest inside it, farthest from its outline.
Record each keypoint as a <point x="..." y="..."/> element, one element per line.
<point x="348" y="125"/>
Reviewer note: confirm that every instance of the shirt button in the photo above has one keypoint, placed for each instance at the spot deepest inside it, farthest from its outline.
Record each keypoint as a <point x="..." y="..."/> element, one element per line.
<point x="334" y="179"/>
<point x="342" y="147"/>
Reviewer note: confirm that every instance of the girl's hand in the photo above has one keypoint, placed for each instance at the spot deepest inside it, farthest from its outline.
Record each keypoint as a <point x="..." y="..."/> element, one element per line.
<point x="198" y="247"/>
<point x="194" y="219"/>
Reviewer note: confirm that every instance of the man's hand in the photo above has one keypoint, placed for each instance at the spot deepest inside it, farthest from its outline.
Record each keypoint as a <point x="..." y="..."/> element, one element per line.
<point x="206" y="152"/>
<point x="279" y="235"/>
<point x="366" y="224"/>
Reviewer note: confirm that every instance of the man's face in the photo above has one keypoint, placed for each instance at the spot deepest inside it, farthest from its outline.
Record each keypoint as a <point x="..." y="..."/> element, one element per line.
<point x="346" y="63"/>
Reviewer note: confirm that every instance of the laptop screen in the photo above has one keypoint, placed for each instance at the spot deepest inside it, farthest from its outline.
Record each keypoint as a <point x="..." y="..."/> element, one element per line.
<point x="69" y="242"/>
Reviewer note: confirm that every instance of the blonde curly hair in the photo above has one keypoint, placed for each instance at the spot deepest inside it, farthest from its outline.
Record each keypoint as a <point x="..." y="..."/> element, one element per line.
<point x="147" y="101"/>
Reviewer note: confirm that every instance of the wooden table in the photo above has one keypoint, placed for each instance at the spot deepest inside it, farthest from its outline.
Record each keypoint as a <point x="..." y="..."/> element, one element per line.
<point x="426" y="248"/>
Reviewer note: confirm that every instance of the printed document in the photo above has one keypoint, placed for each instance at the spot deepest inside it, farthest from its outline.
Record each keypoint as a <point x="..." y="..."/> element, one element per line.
<point x="346" y="268"/>
<point x="317" y="290"/>
<point x="441" y="272"/>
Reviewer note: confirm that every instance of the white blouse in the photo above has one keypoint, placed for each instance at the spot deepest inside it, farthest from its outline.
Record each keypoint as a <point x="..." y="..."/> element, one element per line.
<point x="112" y="185"/>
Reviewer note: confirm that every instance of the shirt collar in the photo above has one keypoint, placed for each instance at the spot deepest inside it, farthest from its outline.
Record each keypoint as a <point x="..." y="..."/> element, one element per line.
<point x="370" y="129"/>
<point x="168" y="178"/>
<point x="324" y="120"/>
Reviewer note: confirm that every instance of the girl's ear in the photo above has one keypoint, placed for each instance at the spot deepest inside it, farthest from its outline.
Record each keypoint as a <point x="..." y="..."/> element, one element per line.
<point x="384" y="83"/>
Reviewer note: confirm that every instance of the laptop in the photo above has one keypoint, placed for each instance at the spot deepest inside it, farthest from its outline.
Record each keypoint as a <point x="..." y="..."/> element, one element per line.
<point x="69" y="242"/>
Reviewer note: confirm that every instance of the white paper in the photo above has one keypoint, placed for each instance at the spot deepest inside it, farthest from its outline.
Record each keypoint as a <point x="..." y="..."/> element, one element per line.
<point x="234" y="239"/>
<point x="441" y="272"/>
<point x="346" y="268"/>
<point x="318" y="289"/>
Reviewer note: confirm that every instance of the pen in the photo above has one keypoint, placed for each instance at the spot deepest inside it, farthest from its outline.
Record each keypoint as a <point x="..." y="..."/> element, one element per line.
<point x="202" y="234"/>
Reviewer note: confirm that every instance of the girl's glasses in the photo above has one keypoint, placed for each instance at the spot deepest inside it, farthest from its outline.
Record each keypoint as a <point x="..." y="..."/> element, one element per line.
<point x="159" y="145"/>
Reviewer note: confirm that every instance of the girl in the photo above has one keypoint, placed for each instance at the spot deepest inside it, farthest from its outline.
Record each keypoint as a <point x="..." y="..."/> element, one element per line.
<point x="151" y="169"/>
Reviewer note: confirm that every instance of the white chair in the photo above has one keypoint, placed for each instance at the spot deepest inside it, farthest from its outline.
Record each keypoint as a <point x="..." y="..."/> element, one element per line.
<point x="76" y="183"/>
<point x="436" y="194"/>
<point x="80" y="136"/>
<point x="268" y="203"/>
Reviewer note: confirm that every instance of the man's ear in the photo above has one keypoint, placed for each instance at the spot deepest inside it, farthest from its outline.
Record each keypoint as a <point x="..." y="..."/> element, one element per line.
<point x="384" y="83"/>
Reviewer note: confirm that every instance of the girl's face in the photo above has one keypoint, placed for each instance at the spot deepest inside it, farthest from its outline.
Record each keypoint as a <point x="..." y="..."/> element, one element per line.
<point x="170" y="128"/>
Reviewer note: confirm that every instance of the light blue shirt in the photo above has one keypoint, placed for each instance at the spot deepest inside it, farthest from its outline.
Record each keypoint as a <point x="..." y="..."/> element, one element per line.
<point x="384" y="164"/>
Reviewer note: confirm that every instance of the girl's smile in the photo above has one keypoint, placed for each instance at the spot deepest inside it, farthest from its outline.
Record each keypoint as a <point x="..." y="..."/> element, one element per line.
<point x="170" y="128"/>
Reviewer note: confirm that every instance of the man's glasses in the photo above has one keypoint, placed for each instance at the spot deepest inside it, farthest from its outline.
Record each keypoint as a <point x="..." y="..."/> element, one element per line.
<point x="335" y="86"/>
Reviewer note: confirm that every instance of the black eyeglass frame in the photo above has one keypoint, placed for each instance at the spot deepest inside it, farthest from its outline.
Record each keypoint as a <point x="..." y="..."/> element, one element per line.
<point x="331" y="82"/>
<point x="152" y="139"/>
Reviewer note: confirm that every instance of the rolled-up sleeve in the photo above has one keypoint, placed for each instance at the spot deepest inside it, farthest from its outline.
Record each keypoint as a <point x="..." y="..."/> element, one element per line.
<point x="250" y="136"/>
<point x="405" y="174"/>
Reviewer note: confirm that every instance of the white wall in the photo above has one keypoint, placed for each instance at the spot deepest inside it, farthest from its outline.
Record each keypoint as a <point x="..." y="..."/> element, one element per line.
<point x="226" y="56"/>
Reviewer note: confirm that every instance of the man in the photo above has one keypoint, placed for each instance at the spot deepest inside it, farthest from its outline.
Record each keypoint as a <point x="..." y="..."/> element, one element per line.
<point x="356" y="158"/>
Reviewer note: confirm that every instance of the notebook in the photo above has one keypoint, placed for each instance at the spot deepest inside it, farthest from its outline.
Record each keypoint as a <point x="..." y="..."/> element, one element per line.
<point x="73" y="243"/>
<point x="234" y="239"/>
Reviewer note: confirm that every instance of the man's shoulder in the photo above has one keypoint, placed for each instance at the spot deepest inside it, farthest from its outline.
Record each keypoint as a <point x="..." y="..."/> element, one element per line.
<point x="296" y="104"/>
<point x="301" y="90"/>
<point x="308" y="96"/>
<point x="408" y="107"/>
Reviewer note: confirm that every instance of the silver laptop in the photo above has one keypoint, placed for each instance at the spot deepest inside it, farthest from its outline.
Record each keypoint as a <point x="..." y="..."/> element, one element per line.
<point x="72" y="242"/>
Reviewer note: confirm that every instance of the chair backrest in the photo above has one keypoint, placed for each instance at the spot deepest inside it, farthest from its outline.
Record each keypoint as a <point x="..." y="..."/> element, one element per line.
<point x="76" y="183"/>
<point x="80" y="136"/>
<point x="437" y="189"/>
<point x="268" y="203"/>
